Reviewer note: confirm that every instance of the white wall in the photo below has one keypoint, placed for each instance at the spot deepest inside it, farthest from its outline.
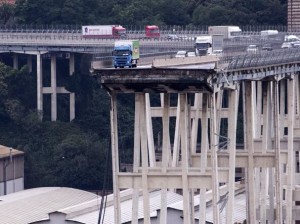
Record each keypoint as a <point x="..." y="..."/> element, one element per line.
<point x="12" y="186"/>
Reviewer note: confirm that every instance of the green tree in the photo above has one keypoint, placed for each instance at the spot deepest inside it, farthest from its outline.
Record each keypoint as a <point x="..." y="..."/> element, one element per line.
<point x="7" y="14"/>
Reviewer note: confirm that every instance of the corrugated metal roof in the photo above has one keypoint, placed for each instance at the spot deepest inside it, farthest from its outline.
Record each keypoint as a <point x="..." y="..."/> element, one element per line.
<point x="34" y="204"/>
<point x="239" y="210"/>
<point x="7" y="151"/>
<point x="126" y="209"/>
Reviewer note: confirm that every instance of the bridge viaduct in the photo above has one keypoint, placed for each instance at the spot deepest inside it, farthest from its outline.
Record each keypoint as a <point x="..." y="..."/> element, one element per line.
<point x="69" y="45"/>
<point x="261" y="92"/>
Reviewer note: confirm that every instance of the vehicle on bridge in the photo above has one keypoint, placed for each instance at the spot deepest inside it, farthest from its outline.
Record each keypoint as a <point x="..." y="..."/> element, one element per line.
<point x="268" y="34"/>
<point x="228" y="32"/>
<point x="252" y="48"/>
<point x="103" y="31"/>
<point x="203" y="45"/>
<point x="290" y="41"/>
<point x="152" y="32"/>
<point x="181" y="54"/>
<point x="126" y="53"/>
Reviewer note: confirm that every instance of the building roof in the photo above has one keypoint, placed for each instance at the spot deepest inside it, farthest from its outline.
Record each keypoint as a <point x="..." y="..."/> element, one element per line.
<point x="126" y="209"/>
<point x="34" y="205"/>
<point x="239" y="210"/>
<point x="8" y="151"/>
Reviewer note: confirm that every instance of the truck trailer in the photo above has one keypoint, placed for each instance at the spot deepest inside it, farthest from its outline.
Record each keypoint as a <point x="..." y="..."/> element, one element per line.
<point x="228" y="32"/>
<point x="126" y="53"/>
<point x="104" y="31"/>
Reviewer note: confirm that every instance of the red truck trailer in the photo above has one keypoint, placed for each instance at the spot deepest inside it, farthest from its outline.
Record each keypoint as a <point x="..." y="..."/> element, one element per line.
<point x="103" y="31"/>
<point x="152" y="31"/>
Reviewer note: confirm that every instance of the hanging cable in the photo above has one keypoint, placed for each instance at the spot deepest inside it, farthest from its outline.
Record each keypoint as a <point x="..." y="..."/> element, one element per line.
<point x="103" y="194"/>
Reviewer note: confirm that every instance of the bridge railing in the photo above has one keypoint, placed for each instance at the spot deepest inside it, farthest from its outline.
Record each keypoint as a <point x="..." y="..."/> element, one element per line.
<point x="264" y="59"/>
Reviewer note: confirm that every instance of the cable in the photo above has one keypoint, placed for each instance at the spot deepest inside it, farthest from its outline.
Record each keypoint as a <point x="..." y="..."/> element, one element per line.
<point x="103" y="195"/>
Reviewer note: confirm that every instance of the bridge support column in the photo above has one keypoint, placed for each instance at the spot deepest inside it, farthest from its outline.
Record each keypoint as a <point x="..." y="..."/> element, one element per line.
<point x="203" y="155"/>
<point x="15" y="61"/>
<point x="72" y="64"/>
<point x="165" y="154"/>
<point x="72" y="95"/>
<point x="278" y="164"/>
<point x="291" y="153"/>
<point x="39" y="70"/>
<point x="266" y="145"/>
<point x="232" y="120"/>
<point x="115" y="159"/>
<point x="29" y="63"/>
<point x="53" y="89"/>
<point x="249" y="134"/>
<point x="145" y="162"/>
<point x="214" y="160"/>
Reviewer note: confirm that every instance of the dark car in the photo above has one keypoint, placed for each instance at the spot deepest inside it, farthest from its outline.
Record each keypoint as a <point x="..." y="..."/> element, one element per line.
<point x="267" y="47"/>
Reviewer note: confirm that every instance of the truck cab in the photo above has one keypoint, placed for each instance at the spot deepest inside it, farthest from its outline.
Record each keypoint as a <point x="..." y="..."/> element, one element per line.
<point x="119" y="32"/>
<point x="152" y="32"/>
<point x="126" y="53"/>
<point x="203" y="45"/>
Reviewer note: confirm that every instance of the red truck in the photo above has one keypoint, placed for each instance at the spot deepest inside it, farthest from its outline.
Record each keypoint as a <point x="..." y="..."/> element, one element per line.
<point x="152" y="31"/>
<point x="104" y="31"/>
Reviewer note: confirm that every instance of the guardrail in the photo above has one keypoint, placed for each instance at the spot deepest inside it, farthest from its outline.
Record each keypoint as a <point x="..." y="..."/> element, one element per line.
<point x="265" y="59"/>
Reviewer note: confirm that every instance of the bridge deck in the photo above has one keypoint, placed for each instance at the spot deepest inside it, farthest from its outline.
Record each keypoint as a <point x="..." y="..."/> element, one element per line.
<point x="159" y="80"/>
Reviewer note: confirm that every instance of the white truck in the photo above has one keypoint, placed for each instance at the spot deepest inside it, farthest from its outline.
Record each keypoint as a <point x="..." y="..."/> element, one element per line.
<point x="103" y="31"/>
<point x="228" y="32"/>
<point x="203" y="45"/>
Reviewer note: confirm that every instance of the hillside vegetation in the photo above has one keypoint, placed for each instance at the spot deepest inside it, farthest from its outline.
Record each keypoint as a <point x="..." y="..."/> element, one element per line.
<point x="74" y="154"/>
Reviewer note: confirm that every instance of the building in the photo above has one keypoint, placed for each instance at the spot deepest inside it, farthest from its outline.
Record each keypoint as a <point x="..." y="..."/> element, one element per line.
<point x="11" y="170"/>
<point x="52" y="205"/>
<point x="293" y="12"/>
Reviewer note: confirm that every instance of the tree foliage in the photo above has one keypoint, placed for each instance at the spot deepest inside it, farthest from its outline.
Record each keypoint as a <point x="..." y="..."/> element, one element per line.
<point x="73" y="154"/>
<point x="160" y="12"/>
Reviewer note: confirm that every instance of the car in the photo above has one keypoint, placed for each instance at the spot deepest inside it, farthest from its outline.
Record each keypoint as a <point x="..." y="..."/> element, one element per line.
<point x="172" y="37"/>
<point x="191" y="54"/>
<point x="286" y="45"/>
<point x="181" y="54"/>
<point x="218" y="53"/>
<point x="296" y="45"/>
<point x="267" y="47"/>
<point x="252" y="49"/>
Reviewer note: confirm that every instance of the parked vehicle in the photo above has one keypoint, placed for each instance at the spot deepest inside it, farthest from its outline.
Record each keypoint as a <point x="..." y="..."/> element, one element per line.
<point x="152" y="32"/>
<point x="203" y="45"/>
<point x="181" y="54"/>
<point x="103" y="31"/>
<point x="252" y="49"/>
<point x="126" y="53"/>
<point x="228" y="32"/>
